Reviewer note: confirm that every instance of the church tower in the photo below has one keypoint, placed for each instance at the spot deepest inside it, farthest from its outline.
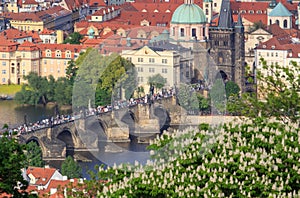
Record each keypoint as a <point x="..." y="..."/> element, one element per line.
<point x="228" y="46"/>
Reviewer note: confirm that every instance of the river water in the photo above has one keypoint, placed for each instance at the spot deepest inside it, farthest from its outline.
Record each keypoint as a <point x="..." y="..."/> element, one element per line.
<point x="14" y="115"/>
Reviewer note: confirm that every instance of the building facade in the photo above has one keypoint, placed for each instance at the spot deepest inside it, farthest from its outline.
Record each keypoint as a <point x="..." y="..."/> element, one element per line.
<point x="228" y="47"/>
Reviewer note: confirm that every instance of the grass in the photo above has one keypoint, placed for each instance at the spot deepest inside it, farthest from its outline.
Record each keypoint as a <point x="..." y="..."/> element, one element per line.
<point x="9" y="89"/>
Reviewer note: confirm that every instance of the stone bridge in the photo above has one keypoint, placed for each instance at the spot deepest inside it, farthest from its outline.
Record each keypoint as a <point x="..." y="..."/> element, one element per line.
<point x="84" y="134"/>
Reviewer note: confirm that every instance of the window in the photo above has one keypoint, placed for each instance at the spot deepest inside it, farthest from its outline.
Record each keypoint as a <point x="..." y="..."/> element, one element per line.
<point x="3" y="80"/>
<point x="270" y="21"/>
<point x="12" y="70"/>
<point x="268" y="54"/>
<point x="3" y="55"/>
<point x="65" y="62"/>
<point x="164" y="60"/>
<point x="151" y="70"/>
<point x="129" y="59"/>
<point x="48" y="53"/>
<point x="3" y="63"/>
<point x="164" y="70"/>
<point x="58" y="70"/>
<point x="24" y="72"/>
<point x="45" y="62"/>
<point x="277" y="22"/>
<point x="140" y="60"/>
<point x="259" y="53"/>
<point x="285" y="23"/>
<point x="182" y="32"/>
<point x="58" y="53"/>
<point x="68" y="54"/>
<point x="215" y="4"/>
<point x="206" y="12"/>
<point x="276" y="54"/>
<point x="173" y="32"/>
<point x="23" y="55"/>
<point x="272" y="54"/>
<point x="151" y="60"/>
<point x="140" y="69"/>
<point x="140" y="79"/>
<point x="225" y="43"/>
<point x="194" y="32"/>
<point x="4" y="71"/>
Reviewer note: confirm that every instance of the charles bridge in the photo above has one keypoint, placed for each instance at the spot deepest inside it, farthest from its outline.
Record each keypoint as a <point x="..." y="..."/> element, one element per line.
<point x="141" y="120"/>
<point x="84" y="134"/>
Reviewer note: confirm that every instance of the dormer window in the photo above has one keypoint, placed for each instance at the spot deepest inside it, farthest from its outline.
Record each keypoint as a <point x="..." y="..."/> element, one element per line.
<point x="58" y="53"/>
<point x="273" y="47"/>
<point x="48" y="53"/>
<point x="264" y="46"/>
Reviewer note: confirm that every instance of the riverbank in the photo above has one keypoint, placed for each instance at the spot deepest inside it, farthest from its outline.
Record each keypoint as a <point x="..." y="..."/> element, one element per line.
<point x="9" y="91"/>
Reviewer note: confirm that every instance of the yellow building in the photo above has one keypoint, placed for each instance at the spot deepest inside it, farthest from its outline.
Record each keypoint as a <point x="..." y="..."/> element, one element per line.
<point x="17" y="60"/>
<point x="174" y="64"/>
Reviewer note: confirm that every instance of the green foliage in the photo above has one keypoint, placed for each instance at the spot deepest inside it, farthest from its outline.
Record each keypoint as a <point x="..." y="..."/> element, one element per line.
<point x="74" y="38"/>
<point x="71" y="168"/>
<point x="42" y="90"/>
<point x="34" y="155"/>
<point x="278" y="94"/>
<point x="232" y="89"/>
<point x="12" y="160"/>
<point x="102" y="97"/>
<point x="203" y="103"/>
<point x="157" y="80"/>
<point x="257" y="25"/>
<point x="218" y="96"/>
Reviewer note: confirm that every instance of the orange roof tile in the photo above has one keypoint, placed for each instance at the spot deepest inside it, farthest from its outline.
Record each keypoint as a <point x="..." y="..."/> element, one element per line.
<point x="43" y="175"/>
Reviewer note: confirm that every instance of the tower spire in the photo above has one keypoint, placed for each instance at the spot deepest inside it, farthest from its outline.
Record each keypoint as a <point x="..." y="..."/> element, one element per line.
<point x="225" y="17"/>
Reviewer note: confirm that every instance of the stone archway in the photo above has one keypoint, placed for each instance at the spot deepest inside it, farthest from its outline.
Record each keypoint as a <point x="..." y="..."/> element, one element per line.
<point x="40" y="144"/>
<point x="222" y="75"/>
<point x="67" y="138"/>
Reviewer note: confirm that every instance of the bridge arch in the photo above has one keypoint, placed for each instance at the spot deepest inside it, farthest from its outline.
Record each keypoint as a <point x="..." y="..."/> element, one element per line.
<point x="39" y="143"/>
<point x="68" y="138"/>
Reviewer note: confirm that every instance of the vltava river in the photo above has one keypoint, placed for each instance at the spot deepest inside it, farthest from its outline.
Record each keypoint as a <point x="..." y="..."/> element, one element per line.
<point x="13" y="115"/>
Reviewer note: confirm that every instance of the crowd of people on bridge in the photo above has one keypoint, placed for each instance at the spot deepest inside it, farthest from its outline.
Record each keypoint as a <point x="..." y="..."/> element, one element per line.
<point x="116" y="105"/>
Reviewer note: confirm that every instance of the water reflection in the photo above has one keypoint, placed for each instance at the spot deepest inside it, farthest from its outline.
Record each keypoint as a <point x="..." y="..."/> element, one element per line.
<point x="14" y="114"/>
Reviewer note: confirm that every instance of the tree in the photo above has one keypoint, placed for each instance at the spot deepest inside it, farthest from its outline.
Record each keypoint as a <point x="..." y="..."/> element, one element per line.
<point x="232" y="89"/>
<point x="257" y="25"/>
<point x="203" y="103"/>
<point x="34" y="155"/>
<point x="217" y="96"/>
<point x="158" y="81"/>
<point x="277" y="94"/>
<point x="12" y="160"/>
<point x="70" y="168"/>
<point x="38" y="90"/>
<point x="74" y="38"/>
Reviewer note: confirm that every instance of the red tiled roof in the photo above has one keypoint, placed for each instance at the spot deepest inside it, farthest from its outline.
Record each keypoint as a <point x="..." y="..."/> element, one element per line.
<point x="14" y="34"/>
<point x="31" y="2"/>
<point x="22" y="16"/>
<point x="102" y="11"/>
<point x="277" y="42"/>
<point x="97" y="3"/>
<point x="47" y="31"/>
<point x="28" y="46"/>
<point x="43" y="175"/>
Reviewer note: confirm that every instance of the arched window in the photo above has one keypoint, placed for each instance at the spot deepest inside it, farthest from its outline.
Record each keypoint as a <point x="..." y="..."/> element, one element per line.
<point x="277" y="22"/>
<point x="270" y="21"/>
<point x="285" y="23"/>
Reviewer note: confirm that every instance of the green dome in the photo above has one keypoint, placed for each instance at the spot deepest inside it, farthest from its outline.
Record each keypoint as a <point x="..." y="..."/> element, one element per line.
<point x="188" y="14"/>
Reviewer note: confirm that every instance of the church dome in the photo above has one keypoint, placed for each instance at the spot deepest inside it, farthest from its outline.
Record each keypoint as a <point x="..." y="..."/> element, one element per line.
<point x="188" y="14"/>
